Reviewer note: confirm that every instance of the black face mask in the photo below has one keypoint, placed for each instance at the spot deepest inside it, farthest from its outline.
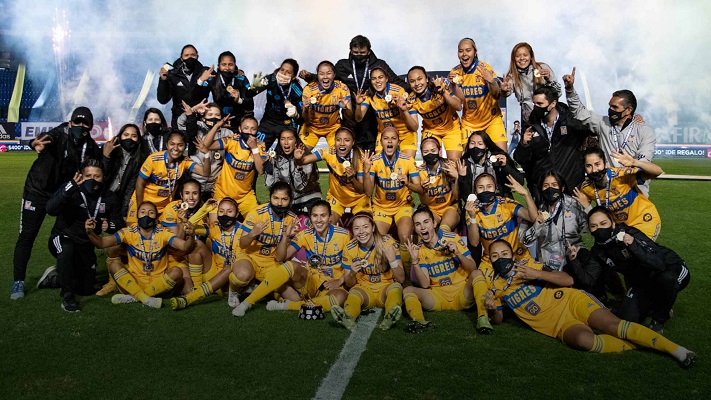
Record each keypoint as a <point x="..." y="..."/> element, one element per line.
<point x="279" y="210"/>
<point x="154" y="128"/>
<point x="227" y="76"/>
<point x="503" y="266"/>
<point x="551" y="195"/>
<point x="486" y="198"/>
<point x="431" y="159"/>
<point x="226" y="221"/>
<point x="603" y="235"/>
<point x="539" y="113"/>
<point x="191" y="64"/>
<point x="476" y="153"/>
<point x="211" y="122"/>
<point x="129" y="145"/>
<point x="92" y="187"/>
<point x="598" y="176"/>
<point x="245" y="137"/>
<point x="146" y="222"/>
<point x="78" y="132"/>
<point x="614" y="116"/>
<point x="361" y="59"/>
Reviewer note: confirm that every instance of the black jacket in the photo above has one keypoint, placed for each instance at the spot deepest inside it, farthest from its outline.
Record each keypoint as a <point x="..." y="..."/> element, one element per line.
<point x="227" y="103"/>
<point x="466" y="182"/>
<point x="127" y="181"/>
<point x="565" y="155"/>
<point x="68" y="206"/>
<point x="179" y="87"/>
<point x="57" y="163"/>
<point x="275" y="111"/>
<point x="151" y="144"/>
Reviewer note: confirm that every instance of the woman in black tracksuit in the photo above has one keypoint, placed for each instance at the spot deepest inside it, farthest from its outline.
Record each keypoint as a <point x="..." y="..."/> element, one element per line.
<point x="122" y="160"/>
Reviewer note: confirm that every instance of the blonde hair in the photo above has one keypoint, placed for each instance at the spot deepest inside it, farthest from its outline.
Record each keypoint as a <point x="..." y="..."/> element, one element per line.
<point x="513" y="71"/>
<point x="380" y="262"/>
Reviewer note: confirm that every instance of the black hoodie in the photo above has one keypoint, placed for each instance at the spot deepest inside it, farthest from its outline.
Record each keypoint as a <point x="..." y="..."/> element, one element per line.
<point x="179" y="87"/>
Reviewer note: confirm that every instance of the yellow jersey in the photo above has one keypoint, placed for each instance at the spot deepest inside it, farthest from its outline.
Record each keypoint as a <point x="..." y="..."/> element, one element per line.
<point x="390" y="193"/>
<point x="368" y="275"/>
<point x="440" y="188"/>
<point x="147" y="256"/>
<point x="444" y="268"/>
<point x="389" y="114"/>
<point x="622" y="196"/>
<point x="438" y="117"/>
<point x="162" y="178"/>
<point x="501" y="223"/>
<point x="265" y="244"/>
<point x="325" y="116"/>
<point x="238" y="172"/>
<point x="338" y="186"/>
<point x="224" y="246"/>
<point x="479" y="107"/>
<point x="169" y="217"/>
<point x="330" y="252"/>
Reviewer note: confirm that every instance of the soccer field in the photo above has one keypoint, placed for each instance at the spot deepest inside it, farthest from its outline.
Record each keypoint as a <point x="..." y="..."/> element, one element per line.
<point x="134" y="352"/>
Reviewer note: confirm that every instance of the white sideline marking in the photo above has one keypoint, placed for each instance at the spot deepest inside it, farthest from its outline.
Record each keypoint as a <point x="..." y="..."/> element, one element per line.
<point x="336" y="381"/>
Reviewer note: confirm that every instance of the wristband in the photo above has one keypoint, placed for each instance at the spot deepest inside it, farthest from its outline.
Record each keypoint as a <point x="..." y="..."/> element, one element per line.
<point x="255" y="151"/>
<point x="471" y="221"/>
<point x="394" y="264"/>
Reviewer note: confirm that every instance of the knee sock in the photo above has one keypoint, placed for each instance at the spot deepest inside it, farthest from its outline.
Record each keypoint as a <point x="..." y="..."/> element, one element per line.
<point x="161" y="284"/>
<point x="235" y="283"/>
<point x="480" y="287"/>
<point x="324" y="301"/>
<point x="200" y="292"/>
<point x="414" y="307"/>
<point x="393" y="297"/>
<point x="273" y="280"/>
<point x="353" y="304"/>
<point x="445" y="228"/>
<point x="646" y="337"/>
<point x="127" y="282"/>
<point x="610" y="344"/>
<point x="195" y="274"/>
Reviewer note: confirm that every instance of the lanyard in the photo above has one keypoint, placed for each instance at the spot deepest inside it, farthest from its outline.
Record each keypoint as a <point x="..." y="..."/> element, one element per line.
<point x="147" y="257"/>
<point x="153" y="146"/>
<point x="558" y="211"/>
<point x="367" y="255"/>
<point x="366" y="72"/>
<point x="228" y="250"/>
<point x="341" y="160"/>
<point x="388" y="163"/>
<point x="96" y="210"/>
<point x="288" y="93"/>
<point x="509" y="280"/>
<point x="83" y="151"/>
<point x="436" y="173"/>
<point x="607" y="191"/>
<point x="549" y="131"/>
<point x="232" y="82"/>
<point x="473" y="66"/>
<point x="271" y="222"/>
<point x="325" y="243"/>
<point x="171" y="184"/>
<point x="630" y="135"/>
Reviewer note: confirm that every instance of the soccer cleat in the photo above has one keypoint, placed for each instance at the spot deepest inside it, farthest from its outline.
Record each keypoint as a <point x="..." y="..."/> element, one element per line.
<point x="241" y="309"/>
<point x="689" y="360"/>
<point x="153" y="302"/>
<point x="274" y="305"/>
<point x="49" y="279"/>
<point x="233" y="299"/>
<point x="342" y="317"/>
<point x="178" y="303"/>
<point x="391" y="318"/>
<point x="108" y="288"/>
<point x="18" y="290"/>
<point x="123" y="299"/>
<point x="657" y="327"/>
<point x="418" y="326"/>
<point x="69" y="304"/>
<point x="483" y="325"/>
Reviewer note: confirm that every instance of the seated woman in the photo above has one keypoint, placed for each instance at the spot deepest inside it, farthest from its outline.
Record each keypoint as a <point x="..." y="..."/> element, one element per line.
<point x="438" y="178"/>
<point x="303" y="178"/>
<point x="258" y="239"/>
<point x="320" y="280"/>
<point x="444" y="269"/>
<point x="374" y="273"/>
<point x="539" y="298"/>
<point x="345" y="174"/>
<point x="654" y="274"/>
<point x="148" y="273"/>
<point x="615" y="188"/>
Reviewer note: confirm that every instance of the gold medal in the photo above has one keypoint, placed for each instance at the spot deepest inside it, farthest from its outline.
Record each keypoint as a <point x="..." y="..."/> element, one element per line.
<point x="346" y="164"/>
<point x="388" y="98"/>
<point x="229" y="88"/>
<point x="272" y="153"/>
<point x="166" y="67"/>
<point x="457" y="79"/>
<point x="620" y="236"/>
<point x="471" y="198"/>
<point x="493" y="159"/>
<point x="184" y="206"/>
<point x="313" y="100"/>
<point x="433" y="180"/>
<point x="545" y="215"/>
<point x="217" y="156"/>
<point x="393" y="176"/>
<point x="536" y="73"/>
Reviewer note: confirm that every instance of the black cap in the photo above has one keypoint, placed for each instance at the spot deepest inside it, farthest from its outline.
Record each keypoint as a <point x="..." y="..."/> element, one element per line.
<point x="85" y="114"/>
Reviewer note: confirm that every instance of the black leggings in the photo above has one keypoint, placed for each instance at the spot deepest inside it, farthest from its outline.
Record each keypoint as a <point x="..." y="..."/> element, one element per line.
<point x="655" y="298"/>
<point x="76" y="265"/>
<point x="31" y="218"/>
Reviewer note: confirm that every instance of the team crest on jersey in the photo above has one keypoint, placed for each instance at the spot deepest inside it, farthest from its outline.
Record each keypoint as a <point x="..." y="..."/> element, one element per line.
<point x="519" y="251"/>
<point x="387" y="124"/>
<point x="533" y="308"/>
<point x="471" y="105"/>
<point x="558" y="294"/>
<point x="622" y="216"/>
<point x="563" y="130"/>
<point x="626" y="254"/>
<point x="335" y="247"/>
<point x="499" y="218"/>
<point x="494" y="110"/>
<point x="102" y="207"/>
<point x="647" y="217"/>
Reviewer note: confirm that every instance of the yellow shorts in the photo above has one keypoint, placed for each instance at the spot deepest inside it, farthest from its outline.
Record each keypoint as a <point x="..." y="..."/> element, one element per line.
<point x="375" y="294"/>
<point x="573" y="307"/>
<point x="387" y="217"/>
<point x="362" y="204"/>
<point x="245" y="204"/>
<point x="211" y="273"/>
<point x="132" y="217"/>
<point x="495" y="129"/>
<point x="177" y="260"/>
<point x="408" y="141"/>
<point x="439" y="210"/>
<point x="451" y="297"/>
<point x="145" y="281"/>
<point x="262" y="265"/>
<point x="311" y="136"/>
<point x="451" y="140"/>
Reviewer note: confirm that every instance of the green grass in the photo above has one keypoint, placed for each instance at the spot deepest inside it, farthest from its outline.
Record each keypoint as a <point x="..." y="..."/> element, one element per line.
<point x="132" y="352"/>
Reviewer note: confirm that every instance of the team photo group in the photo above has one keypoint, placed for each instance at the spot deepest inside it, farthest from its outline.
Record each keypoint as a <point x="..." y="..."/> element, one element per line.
<point x="488" y="221"/>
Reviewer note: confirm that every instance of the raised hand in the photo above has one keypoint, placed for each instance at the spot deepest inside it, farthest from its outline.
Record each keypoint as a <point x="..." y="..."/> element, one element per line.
<point x="186" y="108"/>
<point x="109" y="146"/>
<point x="472" y="208"/>
<point x="390" y="251"/>
<point x="413" y="249"/>
<point x="259" y="227"/>
<point x="304" y="74"/>
<point x="41" y="142"/>
<point x="515" y="186"/>
<point x="90" y="225"/>
<point x="506" y="84"/>
<point x="292" y="229"/>
<point x="360" y="96"/>
<point x="200" y="145"/>
<point x="572" y="251"/>
<point x="299" y="151"/>
<point x="206" y="74"/>
<point x="623" y="158"/>
<point x="486" y="74"/>
<point x="78" y="178"/>
<point x="461" y="167"/>
<point x="200" y="107"/>
<point x="569" y="79"/>
<point x="223" y="121"/>
<point x="188" y="228"/>
<point x="367" y="160"/>
<point x="581" y="198"/>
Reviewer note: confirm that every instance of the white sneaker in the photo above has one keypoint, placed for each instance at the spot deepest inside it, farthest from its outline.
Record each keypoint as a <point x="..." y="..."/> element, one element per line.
<point x="123" y="299"/>
<point x="154" y="302"/>
<point x="274" y="305"/>
<point x="241" y="309"/>
<point x="233" y="299"/>
<point x="251" y="287"/>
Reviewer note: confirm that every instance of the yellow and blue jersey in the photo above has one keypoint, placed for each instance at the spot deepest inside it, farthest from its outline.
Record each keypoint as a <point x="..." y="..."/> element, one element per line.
<point x="338" y="186"/>
<point x="265" y="244"/>
<point x="389" y="114"/>
<point x="162" y="178"/>
<point x="369" y="274"/>
<point x="438" y="117"/>
<point x="147" y="256"/>
<point x="444" y="268"/>
<point x="440" y="192"/>
<point x="325" y="114"/>
<point x="330" y="251"/>
<point x="479" y="107"/>
<point x="224" y="246"/>
<point x="501" y="223"/>
<point x="238" y="171"/>
<point x="392" y="194"/>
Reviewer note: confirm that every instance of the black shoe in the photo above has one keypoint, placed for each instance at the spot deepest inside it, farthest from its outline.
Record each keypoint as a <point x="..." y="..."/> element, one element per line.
<point x="70" y="304"/>
<point x="689" y="360"/>
<point x="49" y="279"/>
<point x="657" y="326"/>
<point x="417" y="327"/>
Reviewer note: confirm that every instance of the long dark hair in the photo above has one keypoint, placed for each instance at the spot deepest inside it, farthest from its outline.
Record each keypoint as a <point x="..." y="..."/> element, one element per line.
<point x="430" y="83"/>
<point x="217" y="90"/>
<point x="371" y="90"/>
<point x="297" y="142"/>
<point x="558" y="178"/>
<point x="153" y="110"/>
<point x="357" y="154"/>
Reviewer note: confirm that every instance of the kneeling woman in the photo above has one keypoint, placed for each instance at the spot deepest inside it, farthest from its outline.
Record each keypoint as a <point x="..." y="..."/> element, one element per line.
<point x="322" y="279"/>
<point x="444" y="269"/>
<point x="535" y="295"/>
<point x="148" y="273"/>
<point x="374" y="272"/>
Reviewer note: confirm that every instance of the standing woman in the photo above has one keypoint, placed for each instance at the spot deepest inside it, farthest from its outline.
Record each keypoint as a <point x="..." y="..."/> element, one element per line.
<point x="439" y="183"/>
<point x="324" y="100"/>
<point x="303" y="179"/>
<point x="374" y="272"/>
<point x="389" y="101"/>
<point x="283" y="109"/>
<point x="617" y="189"/>
<point x="525" y="75"/>
<point x="229" y="88"/>
<point x="475" y="83"/>
<point x="122" y="161"/>
<point x="438" y="107"/>
<point x="345" y="174"/>
<point x="155" y="132"/>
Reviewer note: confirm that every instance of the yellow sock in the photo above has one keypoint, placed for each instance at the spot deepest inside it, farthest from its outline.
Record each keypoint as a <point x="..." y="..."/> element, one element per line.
<point x="393" y="297"/>
<point x="445" y="228"/>
<point x="406" y="259"/>
<point x="480" y="287"/>
<point x="235" y="283"/>
<point x="646" y="337"/>
<point x="200" y="292"/>
<point x="610" y="344"/>
<point x="414" y="307"/>
<point x="195" y="274"/>
<point x="128" y="283"/>
<point x="273" y="280"/>
<point x="161" y="284"/>
<point x="353" y="304"/>
<point x="324" y="301"/>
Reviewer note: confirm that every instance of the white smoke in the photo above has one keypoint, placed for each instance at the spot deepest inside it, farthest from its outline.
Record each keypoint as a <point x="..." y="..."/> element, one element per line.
<point x="654" y="48"/>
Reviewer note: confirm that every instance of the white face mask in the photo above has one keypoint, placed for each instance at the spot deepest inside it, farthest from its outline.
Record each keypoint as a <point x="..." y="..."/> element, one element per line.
<point x="282" y="79"/>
